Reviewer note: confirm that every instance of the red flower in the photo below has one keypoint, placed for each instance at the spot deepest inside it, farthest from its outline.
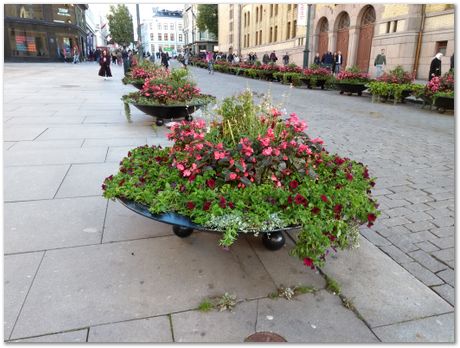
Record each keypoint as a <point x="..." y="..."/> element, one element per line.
<point x="315" y="210"/>
<point x="308" y="262"/>
<point x="290" y="200"/>
<point x="211" y="183"/>
<point x="222" y="203"/>
<point x="206" y="205"/>
<point x="301" y="200"/>
<point x="338" y="209"/>
<point x="293" y="184"/>
<point x="190" y="205"/>
<point x="231" y="205"/>
<point x="349" y="177"/>
<point x="324" y="198"/>
<point x="371" y="218"/>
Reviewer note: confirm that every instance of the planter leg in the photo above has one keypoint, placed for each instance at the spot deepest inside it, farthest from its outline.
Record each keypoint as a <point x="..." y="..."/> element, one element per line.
<point x="360" y="94"/>
<point x="159" y="122"/>
<point x="441" y="110"/>
<point x="182" y="232"/>
<point x="273" y="240"/>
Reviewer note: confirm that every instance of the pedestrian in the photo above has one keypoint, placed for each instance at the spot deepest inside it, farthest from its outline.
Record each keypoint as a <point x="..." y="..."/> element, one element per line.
<point x="210" y="61"/>
<point x="435" y="66"/>
<point x="328" y="59"/>
<point x="186" y="58"/>
<point x="64" y="54"/>
<point x="114" y="57"/>
<point x="379" y="63"/>
<point x="230" y="58"/>
<point x="119" y="58"/>
<point x="97" y="55"/>
<point x="286" y="59"/>
<point x="317" y="60"/>
<point x="164" y="60"/>
<point x="236" y="59"/>
<point x="338" y="62"/>
<point x="265" y="58"/>
<point x="334" y="57"/>
<point x="75" y="54"/>
<point x="125" y="57"/>
<point x="452" y="59"/>
<point x="104" y="62"/>
<point x="273" y="57"/>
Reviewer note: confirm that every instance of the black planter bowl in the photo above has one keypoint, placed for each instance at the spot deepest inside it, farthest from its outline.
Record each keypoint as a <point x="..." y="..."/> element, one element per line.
<point x="351" y="88"/>
<point x="183" y="227"/>
<point x="444" y="103"/>
<point x="319" y="83"/>
<point x="138" y="85"/>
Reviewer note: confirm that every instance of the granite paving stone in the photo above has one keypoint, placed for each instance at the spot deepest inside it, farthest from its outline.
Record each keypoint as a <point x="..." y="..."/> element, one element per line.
<point x="428" y="261"/>
<point x="443" y="232"/>
<point x="16" y="133"/>
<point x="312" y="318"/>
<point x="374" y="237"/>
<point x="30" y="183"/>
<point x="86" y="179"/>
<point x="95" y="131"/>
<point x="34" y="145"/>
<point x="448" y="276"/>
<point x="78" y="336"/>
<point x="137" y="279"/>
<point x="109" y="142"/>
<point x="150" y="330"/>
<point x="45" y="120"/>
<point x="444" y="255"/>
<point x="396" y="254"/>
<point x="447" y="292"/>
<point x="214" y="326"/>
<point x="434" y="329"/>
<point x="421" y="273"/>
<point x="117" y="153"/>
<point x="382" y="291"/>
<point x="53" y="223"/>
<point x="427" y="246"/>
<point x="19" y="271"/>
<point x="123" y="224"/>
<point x="419" y="226"/>
<point x="444" y="221"/>
<point x="444" y="242"/>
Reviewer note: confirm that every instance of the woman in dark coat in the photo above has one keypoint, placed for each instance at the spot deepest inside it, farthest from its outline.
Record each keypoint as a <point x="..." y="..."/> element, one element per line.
<point x="435" y="67"/>
<point x="104" y="62"/>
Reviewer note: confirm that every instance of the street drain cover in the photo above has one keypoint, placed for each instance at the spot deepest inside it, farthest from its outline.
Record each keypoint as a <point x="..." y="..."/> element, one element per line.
<point x="70" y="86"/>
<point x="265" y="337"/>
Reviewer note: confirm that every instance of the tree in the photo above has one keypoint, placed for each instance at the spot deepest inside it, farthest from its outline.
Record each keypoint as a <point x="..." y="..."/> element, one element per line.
<point x="207" y="18"/>
<point x="121" y="25"/>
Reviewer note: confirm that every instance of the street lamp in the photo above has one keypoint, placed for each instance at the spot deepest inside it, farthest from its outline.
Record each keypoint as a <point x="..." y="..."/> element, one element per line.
<point x="307" y="39"/>
<point x="139" y="33"/>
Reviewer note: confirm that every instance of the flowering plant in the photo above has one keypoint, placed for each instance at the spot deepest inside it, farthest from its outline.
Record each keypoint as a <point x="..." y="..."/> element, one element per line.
<point x="397" y="75"/>
<point x="140" y="72"/>
<point x="353" y="76"/>
<point x="252" y="171"/>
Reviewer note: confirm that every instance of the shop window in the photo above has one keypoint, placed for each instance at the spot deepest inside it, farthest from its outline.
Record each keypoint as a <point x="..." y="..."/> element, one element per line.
<point x="28" y="43"/>
<point x="441" y="47"/>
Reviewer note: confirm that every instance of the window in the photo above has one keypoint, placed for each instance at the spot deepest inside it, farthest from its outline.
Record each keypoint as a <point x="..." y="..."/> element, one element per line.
<point x="159" y="26"/>
<point x="294" y="29"/>
<point x="257" y="15"/>
<point x="152" y="48"/>
<point x="271" y="10"/>
<point x="24" y="11"/>
<point x="295" y="7"/>
<point x="395" y="26"/>
<point x="34" y="44"/>
<point x="388" y="27"/>
<point x="230" y="38"/>
<point x="441" y="47"/>
<point x="249" y="19"/>
<point x="260" y="37"/>
<point x="151" y="26"/>
<point x="151" y="36"/>
<point x="257" y="38"/>
<point x="276" y="10"/>
<point x="288" y="31"/>
<point x="289" y="7"/>
<point x="230" y="12"/>
<point x="276" y="34"/>
<point x="271" y="35"/>
<point x="159" y="36"/>
<point x="230" y="26"/>
<point x="248" y="40"/>
<point x="179" y="27"/>
<point x="180" y="37"/>
<point x="244" y="21"/>
<point x="260" y="12"/>
<point x="165" y="27"/>
<point x="172" y="36"/>
<point x="171" y="26"/>
<point x="165" y="36"/>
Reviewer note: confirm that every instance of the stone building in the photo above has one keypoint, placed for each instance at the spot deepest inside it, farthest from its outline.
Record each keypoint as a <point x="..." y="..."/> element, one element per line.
<point x="163" y="31"/>
<point x="35" y="32"/>
<point x="195" y="40"/>
<point x="410" y="34"/>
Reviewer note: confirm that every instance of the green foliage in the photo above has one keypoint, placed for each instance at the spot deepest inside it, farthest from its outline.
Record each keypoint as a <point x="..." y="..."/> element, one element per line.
<point x="207" y="18"/>
<point x="226" y="302"/>
<point x="396" y="91"/>
<point x="121" y="25"/>
<point x="205" y="306"/>
<point x="332" y="286"/>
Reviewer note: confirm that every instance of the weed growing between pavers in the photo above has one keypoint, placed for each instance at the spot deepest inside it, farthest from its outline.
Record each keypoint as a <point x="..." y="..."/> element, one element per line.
<point x="290" y="292"/>
<point x="332" y="286"/>
<point x="205" y="306"/>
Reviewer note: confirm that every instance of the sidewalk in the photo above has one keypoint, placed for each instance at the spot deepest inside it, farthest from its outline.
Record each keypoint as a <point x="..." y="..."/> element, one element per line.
<point x="79" y="268"/>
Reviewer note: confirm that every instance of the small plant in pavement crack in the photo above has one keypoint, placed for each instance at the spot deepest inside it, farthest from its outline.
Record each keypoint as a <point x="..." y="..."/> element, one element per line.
<point x="226" y="302"/>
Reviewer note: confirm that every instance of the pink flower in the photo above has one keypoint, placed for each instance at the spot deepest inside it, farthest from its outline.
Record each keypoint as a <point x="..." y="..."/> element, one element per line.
<point x="267" y="151"/>
<point x="232" y="176"/>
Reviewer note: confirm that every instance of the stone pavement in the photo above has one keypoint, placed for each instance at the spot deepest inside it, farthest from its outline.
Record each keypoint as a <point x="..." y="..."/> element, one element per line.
<point x="81" y="269"/>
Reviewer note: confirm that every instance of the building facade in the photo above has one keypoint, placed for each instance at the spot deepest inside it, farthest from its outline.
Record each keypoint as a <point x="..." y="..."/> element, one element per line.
<point x="410" y="34"/>
<point x="36" y="32"/>
<point x="229" y="28"/>
<point x="164" y="31"/>
<point x="196" y="41"/>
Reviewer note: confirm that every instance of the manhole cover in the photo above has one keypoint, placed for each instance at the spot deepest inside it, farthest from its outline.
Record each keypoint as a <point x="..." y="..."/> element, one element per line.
<point x="69" y="86"/>
<point x="265" y="337"/>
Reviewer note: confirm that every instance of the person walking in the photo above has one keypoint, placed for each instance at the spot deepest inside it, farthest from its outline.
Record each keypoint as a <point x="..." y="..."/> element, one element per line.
<point x="379" y="63"/>
<point x="317" y="60"/>
<point x="286" y="59"/>
<point x="125" y="57"/>
<point x="210" y="61"/>
<point x="164" y="60"/>
<point x="104" y="62"/>
<point x="334" y="57"/>
<point x="76" y="54"/>
<point x="273" y="57"/>
<point x="435" y="66"/>
<point x="338" y="62"/>
<point x="328" y="59"/>
<point x="186" y="58"/>
<point x="265" y="58"/>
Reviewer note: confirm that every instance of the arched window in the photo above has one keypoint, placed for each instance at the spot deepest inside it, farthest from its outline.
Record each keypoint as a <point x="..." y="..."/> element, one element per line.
<point x="344" y="21"/>
<point x="368" y="16"/>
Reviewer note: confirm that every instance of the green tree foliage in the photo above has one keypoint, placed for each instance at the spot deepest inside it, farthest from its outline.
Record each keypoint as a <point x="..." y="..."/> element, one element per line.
<point x="121" y="25"/>
<point x="207" y="18"/>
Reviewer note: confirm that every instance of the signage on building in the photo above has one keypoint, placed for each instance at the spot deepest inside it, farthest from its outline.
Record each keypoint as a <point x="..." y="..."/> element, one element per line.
<point x="302" y="14"/>
<point x="63" y="12"/>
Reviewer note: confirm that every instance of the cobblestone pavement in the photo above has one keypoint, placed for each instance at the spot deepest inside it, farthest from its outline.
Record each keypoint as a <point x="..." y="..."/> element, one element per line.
<point x="409" y="150"/>
<point x="79" y="268"/>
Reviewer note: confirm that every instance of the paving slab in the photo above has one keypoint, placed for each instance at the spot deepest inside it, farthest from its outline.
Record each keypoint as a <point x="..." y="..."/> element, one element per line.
<point x="46" y="120"/>
<point x="117" y="153"/>
<point x="9" y="144"/>
<point x="86" y="179"/>
<point x="119" y="118"/>
<point x="16" y="133"/>
<point x="19" y="272"/>
<point x="447" y="292"/>
<point x="151" y="330"/>
<point x="78" y="336"/>
<point x="94" y="131"/>
<point x="109" y="142"/>
<point x="114" y="282"/>
<point x="436" y="329"/>
<point x="285" y="270"/>
<point x="312" y="318"/>
<point x="53" y="223"/>
<point x="35" y="182"/>
<point x="124" y="224"/>
<point x="36" y="145"/>
<point x="214" y="326"/>
<point x="383" y="292"/>
<point x="55" y="156"/>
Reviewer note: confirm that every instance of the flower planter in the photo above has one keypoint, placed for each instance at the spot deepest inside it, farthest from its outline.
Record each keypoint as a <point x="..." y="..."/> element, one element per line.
<point x="137" y="85"/>
<point x="404" y="95"/>
<point x="351" y="88"/>
<point x="444" y="103"/>
<point x="162" y="112"/>
<point x="319" y="83"/>
<point x="184" y="227"/>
